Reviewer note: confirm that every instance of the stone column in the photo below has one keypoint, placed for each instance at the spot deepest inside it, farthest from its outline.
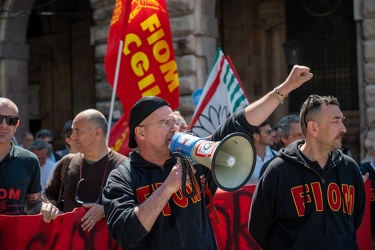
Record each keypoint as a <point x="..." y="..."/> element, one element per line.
<point x="368" y="11"/>
<point x="14" y="58"/>
<point x="194" y="32"/>
<point x="272" y="15"/>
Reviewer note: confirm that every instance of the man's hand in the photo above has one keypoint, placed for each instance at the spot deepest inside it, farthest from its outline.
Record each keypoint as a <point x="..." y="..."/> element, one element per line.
<point x="174" y="179"/>
<point x="365" y="177"/>
<point x="298" y="76"/>
<point x="37" y="203"/>
<point x="92" y="216"/>
<point x="49" y="212"/>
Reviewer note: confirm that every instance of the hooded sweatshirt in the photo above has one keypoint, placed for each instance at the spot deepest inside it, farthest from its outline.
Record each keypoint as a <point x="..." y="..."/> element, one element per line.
<point x="299" y="205"/>
<point x="184" y="222"/>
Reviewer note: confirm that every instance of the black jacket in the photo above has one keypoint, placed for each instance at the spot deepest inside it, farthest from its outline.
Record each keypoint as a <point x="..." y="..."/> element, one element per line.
<point x="183" y="224"/>
<point x="368" y="167"/>
<point x="278" y="219"/>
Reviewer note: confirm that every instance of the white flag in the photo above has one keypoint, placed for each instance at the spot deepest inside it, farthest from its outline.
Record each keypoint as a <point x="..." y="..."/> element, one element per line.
<point x="222" y="96"/>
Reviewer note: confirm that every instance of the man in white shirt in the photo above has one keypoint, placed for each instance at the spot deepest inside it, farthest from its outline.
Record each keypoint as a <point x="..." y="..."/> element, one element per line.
<point x="263" y="139"/>
<point x="41" y="149"/>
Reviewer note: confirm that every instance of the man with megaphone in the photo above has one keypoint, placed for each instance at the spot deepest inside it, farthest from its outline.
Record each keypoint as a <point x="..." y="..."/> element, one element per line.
<point x="144" y="205"/>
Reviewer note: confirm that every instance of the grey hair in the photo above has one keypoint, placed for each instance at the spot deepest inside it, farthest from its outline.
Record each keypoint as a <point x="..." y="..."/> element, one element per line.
<point x="284" y="124"/>
<point x="39" y="144"/>
<point x="97" y="118"/>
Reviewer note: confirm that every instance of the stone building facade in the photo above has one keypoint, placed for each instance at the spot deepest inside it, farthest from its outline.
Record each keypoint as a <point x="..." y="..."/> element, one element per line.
<point x="54" y="67"/>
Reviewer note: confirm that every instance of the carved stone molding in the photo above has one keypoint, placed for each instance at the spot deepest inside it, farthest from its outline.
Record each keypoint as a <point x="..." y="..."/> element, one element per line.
<point x="270" y="14"/>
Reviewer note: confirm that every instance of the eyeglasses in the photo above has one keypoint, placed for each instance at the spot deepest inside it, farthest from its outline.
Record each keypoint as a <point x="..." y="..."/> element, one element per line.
<point x="10" y="120"/>
<point x="268" y="132"/>
<point x="311" y="100"/>
<point x="165" y="124"/>
<point x="77" y="199"/>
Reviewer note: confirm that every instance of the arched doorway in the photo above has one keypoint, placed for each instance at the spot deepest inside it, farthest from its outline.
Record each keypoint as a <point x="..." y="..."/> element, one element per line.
<point x="61" y="64"/>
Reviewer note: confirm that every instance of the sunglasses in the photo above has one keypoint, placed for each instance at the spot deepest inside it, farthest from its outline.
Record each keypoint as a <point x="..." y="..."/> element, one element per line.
<point x="268" y="132"/>
<point x="314" y="102"/>
<point x="10" y="120"/>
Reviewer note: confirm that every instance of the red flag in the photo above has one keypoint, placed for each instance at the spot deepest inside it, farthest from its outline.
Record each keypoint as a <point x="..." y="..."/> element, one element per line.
<point x="147" y="66"/>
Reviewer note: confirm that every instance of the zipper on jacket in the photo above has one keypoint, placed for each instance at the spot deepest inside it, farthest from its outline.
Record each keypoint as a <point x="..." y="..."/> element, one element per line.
<point x="174" y="214"/>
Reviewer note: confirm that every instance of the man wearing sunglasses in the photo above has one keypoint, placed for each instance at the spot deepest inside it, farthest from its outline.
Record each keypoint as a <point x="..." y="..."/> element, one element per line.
<point x="20" y="183"/>
<point x="312" y="195"/>
<point x="145" y="207"/>
<point x="263" y="140"/>
<point x="87" y="170"/>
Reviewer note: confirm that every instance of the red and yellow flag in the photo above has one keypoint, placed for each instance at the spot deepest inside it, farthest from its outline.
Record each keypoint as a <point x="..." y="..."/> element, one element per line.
<point x="147" y="66"/>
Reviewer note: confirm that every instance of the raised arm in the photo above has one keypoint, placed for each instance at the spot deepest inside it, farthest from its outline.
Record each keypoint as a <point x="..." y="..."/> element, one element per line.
<point x="260" y="110"/>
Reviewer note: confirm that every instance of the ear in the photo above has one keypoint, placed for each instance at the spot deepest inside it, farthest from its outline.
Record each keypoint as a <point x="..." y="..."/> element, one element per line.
<point x="312" y="128"/>
<point x="139" y="132"/>
<point x="283" y="139"/>
<point x="256" y="137"/>
<point x="98" y="131"/>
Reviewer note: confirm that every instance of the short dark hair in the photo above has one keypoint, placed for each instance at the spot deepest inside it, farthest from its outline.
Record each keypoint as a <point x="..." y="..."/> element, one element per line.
<point x="266" y="122"/>
<point x="312" y="106"/>
<point x="44" y="133"/>
<point x="26" y="133"/>
<point x="67" y="131"/>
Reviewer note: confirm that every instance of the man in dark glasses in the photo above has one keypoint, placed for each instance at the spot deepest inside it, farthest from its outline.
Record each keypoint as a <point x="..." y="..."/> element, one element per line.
<point x="20" y="183"/>
<point x="144" y="200"/>
<point x="87" y="171"/>
<point x="263" y="140"/>
<point x="312" y="195"/>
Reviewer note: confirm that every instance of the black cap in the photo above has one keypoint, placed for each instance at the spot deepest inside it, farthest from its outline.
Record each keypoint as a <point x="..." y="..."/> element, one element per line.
<point x="140" y="111"/>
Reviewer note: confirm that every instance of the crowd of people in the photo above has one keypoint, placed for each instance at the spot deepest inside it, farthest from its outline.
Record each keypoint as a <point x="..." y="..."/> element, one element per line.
<point x="300" y="172"/>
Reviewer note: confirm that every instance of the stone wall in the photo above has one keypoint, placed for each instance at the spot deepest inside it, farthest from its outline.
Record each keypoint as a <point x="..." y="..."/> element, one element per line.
<point x="368" y="11"/>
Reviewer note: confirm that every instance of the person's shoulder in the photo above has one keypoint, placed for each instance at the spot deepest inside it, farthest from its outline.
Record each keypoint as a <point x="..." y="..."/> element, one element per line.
<point x="22" y="153"/>
<point x="349" y="160"/>
<point x="366" y="166"/>
<point x="122" y="169"/>
<point x="117" y="157"/>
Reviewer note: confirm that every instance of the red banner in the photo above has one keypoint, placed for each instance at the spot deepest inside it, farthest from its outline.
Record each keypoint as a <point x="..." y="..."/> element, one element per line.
<point x="32" y="233"/>
<point x="233" y="210"/>
<point x="140" y="31"/>
<point x="65" y="232"/>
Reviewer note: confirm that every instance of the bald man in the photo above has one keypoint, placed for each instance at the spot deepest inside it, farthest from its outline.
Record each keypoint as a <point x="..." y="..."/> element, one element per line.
<point x="88" y="170"/>
<point x="20" y="173"/>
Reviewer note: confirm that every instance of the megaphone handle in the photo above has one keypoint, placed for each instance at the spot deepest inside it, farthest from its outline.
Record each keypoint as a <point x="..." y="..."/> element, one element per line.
<point x="186" y="166"/>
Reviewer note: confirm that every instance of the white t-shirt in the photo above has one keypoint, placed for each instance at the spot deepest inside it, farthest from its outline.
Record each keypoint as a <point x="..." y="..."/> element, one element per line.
<point x="259" y="164"/>
<point x="45" y="171"/>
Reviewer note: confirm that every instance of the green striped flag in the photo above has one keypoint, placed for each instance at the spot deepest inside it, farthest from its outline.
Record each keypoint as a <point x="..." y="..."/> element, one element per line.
<point x="222" y="95"/>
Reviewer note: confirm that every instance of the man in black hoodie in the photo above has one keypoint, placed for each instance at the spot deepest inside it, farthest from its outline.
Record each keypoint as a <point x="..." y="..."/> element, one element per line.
<point x="143" y="203"/>
<point x="312" y="195"/>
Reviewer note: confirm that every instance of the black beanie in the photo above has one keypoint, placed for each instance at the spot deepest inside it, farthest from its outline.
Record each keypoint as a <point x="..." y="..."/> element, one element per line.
<point x="140" y="111"/>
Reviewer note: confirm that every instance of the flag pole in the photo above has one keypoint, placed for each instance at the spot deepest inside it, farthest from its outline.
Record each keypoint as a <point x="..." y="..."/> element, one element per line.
<point x="114" y="89"/>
